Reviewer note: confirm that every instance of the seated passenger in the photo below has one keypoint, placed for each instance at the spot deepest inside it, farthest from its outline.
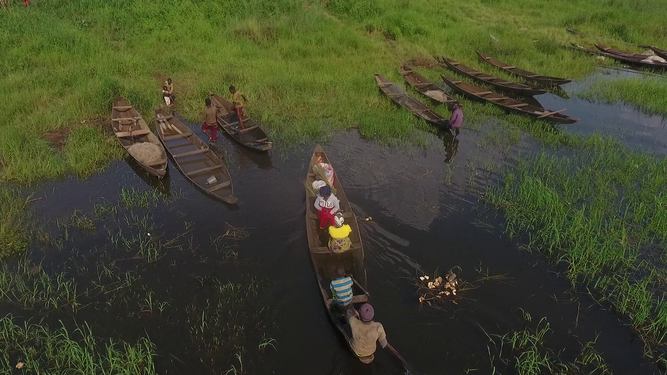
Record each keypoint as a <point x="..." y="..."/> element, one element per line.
<point x="340" y="241"/>
<point x="341" y="288"/>
<point x="326" y="205"/>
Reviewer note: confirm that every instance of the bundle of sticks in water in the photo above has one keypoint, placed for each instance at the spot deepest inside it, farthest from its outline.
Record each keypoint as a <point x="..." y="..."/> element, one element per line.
<point x="437" y="288"/>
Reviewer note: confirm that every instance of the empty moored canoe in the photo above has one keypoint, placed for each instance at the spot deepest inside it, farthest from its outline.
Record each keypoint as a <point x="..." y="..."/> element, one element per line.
<point x="194" y="159"/>
<point x="424" y="86"/>
<point x="251" y="137"/>
<point x="636" y="59"/>
<point x="137" y="138"/>
<point x="528" y="76"/>
<point x="325" y="263"/>
<point x="502" y="85"/>
<point x="660" y="52"/>
<point x="399" y="96"/>
<point x="508" y="104"/>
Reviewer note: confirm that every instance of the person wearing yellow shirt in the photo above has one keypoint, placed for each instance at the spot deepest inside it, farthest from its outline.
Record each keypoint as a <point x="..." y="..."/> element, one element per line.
<point x="340" y="241"/>
<point x="239" y="100"/>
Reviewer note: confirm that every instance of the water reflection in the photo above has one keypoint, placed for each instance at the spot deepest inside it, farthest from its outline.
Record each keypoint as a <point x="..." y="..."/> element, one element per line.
<point x="451" y="143"/>
<point x="162" y="185"/>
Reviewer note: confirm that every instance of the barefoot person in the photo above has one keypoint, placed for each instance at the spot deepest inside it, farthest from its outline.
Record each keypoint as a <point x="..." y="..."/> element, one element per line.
<point x="168" y="90"/>
<point x="166" y="96"/>
<point x="239" y="100"/>
<point x="456" y="120"/>
<point x="365" y="333"/>
<point x="210" y="121"/>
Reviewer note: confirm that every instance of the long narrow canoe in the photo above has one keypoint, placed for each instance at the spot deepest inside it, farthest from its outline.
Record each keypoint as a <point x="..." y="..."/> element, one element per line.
<point x="636" y="59"/>
<point x="502" y="85"/>
<point x="197" y="162"/>
<point x="660" y="52"/>
<point x="325" y="263"/>
<point x="131" y="129"/>
<point x="508" y="104"/>
<point x="528" y="76"/>
<point x="424" y="86"/>
<point x="252" y="136"/>
<point x="402" y="98"/>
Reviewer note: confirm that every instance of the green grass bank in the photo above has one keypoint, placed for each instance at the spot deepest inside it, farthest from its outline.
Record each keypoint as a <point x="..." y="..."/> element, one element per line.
<point x="305" y="65"/>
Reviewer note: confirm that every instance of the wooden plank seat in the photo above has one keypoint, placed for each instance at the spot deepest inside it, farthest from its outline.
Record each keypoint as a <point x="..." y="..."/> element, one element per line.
<point x="189" y="153"/>
<point x="135" y="133"/>
<point x="204" y="170"/>
<point x="170" y="137"/>
<point x="219" y="186"/>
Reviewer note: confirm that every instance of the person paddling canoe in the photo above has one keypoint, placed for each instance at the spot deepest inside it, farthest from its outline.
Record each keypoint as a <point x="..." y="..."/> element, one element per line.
<point x="365" y="332"/>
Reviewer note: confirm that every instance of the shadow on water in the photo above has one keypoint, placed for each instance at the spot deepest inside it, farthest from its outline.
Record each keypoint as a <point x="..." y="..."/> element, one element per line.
<point x="162" y="185"/>
<point x="426" y="217"/>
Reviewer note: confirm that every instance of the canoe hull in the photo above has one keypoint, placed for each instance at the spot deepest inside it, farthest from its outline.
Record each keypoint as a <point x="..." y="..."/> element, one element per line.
<point x="193" y="158"/>
<point x="425" y="87"/>
<point x="634" y="59"/>
<point x="253" y="137"/>
<point x="126" y="120"/>
<point x="535" y="78"/>
<point x="508" y="104"/>
<point x="325" y="263"/>
<point x="497" y="83"/>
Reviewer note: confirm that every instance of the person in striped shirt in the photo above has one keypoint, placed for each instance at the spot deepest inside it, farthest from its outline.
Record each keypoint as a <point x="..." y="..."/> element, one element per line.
<point x="341" y="288"/>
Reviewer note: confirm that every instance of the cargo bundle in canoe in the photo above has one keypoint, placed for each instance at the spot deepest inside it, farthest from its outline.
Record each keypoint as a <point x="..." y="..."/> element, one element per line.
<point x="502" y="85"/>
<point x="660" y="52"/>
<point x="636" y="59"/>
<point x="252" y="136"/>
<point x="508" y="104"/>
<point x="426" y="87"/>
<point x="325" y="263"/>
<point x="528" y="76"/>
<point x="137" y="138"/>
<point x="398" y="94"/>
<point x="197" y="162"/>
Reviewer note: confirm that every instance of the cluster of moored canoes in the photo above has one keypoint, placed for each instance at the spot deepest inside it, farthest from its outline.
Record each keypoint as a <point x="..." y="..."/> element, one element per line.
<point x="492" y="92"/>
<point x="639" y="60"/>
<point x="192" y="156"/>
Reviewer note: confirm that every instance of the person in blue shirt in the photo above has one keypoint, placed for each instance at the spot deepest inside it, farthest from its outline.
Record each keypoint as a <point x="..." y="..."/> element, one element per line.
<point x="341" y="288"/>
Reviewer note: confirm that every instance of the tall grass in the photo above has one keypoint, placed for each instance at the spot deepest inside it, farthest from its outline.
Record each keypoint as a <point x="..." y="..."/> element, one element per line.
<point x="306" y="66"/>
<point x="648" y="94"/>
<point x="13" y="222"/>
<point x="601" y="211"/>
<point x="59" y="351"/>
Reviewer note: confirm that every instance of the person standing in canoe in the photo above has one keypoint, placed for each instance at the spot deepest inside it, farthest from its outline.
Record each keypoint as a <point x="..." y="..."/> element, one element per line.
<point x="326" y="205"/>
<point x="365" y="332"/>
<point x="341" y="288"/>
<point x="238" y="100"/>
<point x="210" y="121"/>
<point x="455" y="122"/>
<point x="340" y="241"/>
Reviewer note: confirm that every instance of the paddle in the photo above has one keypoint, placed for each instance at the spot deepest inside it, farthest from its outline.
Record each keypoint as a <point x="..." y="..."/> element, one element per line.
<point x="408" y="368"/>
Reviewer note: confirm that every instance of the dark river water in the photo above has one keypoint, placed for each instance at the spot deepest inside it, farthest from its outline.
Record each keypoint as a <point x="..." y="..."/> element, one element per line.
<point x="427" y="216"/>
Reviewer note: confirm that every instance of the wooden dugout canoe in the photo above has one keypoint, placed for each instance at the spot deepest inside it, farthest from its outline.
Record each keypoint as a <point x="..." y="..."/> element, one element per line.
<point x="629" y="57"/>
<point x="325" y="263"/>
<point x="192" y="156"/>
<point x="399" y="96"/>
<point x="426" y="87"/>
<point x="660" y="52"/>
<point x="499" y="84"/>
<point x="251" y="137"/>
<point x="130" y="128"/>
<point x="528" y="76"/>
<point x="508" y="104"/>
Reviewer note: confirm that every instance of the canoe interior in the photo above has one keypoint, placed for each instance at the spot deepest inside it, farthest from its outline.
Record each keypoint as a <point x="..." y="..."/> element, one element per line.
<point x="424" y="86"/>
<point x="398" y="94"/>
<point x="525" y="74"/>
<point x="628" y="57"/>
<point x="482" y="95"/>
<point x="254" y="138"/>
<point x="498" y="83"/>
<point x="131" y="121"/>
<point x="660" y="52"/>
<point x="325" y="263"/>
<point x="193" y="157"/>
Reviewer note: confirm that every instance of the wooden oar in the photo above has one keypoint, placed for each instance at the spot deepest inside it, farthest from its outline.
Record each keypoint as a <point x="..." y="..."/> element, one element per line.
<point x="408" y="368"/>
